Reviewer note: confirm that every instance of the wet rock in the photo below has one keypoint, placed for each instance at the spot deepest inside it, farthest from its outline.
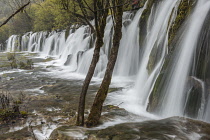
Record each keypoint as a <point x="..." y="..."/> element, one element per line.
<point x="126" y="23"/>
<point x="114" y="111"/>
<point x="79" y="56"/>
<point x="68" y="60"/>
<point x="166" y="129"/>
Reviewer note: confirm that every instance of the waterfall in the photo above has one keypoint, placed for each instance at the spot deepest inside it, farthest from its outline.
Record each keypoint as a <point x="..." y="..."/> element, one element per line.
<point x="156" y="40"/>
<point x="13" y="43"/>
<point x="142" y="54"/>
<point x="128" y="59"/>
<point x="173" y="101"/>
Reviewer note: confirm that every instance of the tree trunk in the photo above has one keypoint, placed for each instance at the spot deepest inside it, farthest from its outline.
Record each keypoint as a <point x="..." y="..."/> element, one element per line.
<point x="100" y="27"/>
<point x="81" y="108"/>
<point x="95" y="113"/>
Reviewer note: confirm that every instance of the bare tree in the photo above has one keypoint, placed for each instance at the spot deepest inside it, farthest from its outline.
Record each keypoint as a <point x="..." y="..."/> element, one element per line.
<point x="100" y="14"/>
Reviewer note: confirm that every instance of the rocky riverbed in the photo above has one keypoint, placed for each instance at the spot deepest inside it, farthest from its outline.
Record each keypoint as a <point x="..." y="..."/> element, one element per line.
<point x="51" y="104"/>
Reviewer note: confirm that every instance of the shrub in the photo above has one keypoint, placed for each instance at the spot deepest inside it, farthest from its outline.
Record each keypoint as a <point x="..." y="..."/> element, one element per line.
<point x="11" y="56"/>
<point x="27" y="65"/>
<point x="10" y="110"/>
<point x="13" y="64"/>
<point x="22" y="65"/>
<point x="30" y="63"/>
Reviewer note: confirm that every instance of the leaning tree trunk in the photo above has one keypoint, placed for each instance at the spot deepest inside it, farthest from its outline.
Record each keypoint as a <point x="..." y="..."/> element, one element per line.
<point x="81" y="108"/>
<point x="95" y="113"/>
<point x="100" y="27"/>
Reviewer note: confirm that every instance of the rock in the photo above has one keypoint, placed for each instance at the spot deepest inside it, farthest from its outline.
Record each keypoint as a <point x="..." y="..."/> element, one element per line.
<point x="68" y="60"/>
<point x="166" y="129"/>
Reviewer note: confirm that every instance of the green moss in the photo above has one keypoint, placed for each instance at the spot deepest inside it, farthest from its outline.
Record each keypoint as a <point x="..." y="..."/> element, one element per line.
<point x="67" y="32"/>
<point x="18" y="102"/>
<point x="4" y="75"/>
<point x="7" y="115"/>
<point x="144" y="20"/>
<point x="182" y="13"/>
<point x="152" y="60"/>
<point x="155" y="95"/>
<point x="24" y="113"/>
<point x="112" y="90"/>
<point x="48" y="59"/>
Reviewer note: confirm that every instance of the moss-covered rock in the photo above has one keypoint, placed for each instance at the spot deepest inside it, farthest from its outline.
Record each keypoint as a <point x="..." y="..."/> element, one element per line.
<point x="140" y="4"/>
<point x="156" y="95"/>
<point x="143" y="21"/>
<point x="183" y="12"/>
<point x="166" y="129"/>
<point x="67" y="32"/>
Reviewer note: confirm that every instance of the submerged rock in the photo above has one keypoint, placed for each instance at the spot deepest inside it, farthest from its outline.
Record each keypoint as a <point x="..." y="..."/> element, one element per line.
<point x="166" y="129"/>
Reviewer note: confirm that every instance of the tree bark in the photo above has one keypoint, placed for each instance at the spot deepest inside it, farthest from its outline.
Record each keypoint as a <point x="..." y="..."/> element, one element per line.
<point x="95" y="113"/>
<point x="100" y="24"/>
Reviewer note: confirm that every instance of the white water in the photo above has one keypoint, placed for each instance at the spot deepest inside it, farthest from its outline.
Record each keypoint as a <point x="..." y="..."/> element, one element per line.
<point x="137" y="97"/>
<point x="13" y="43"/>
<point x="174" y="100"/>
<point x="74" y="54"/>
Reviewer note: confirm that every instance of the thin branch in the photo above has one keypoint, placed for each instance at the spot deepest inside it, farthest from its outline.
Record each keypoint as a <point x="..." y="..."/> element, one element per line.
<point x="84" y="19"/>
<point x="84" y="12"/>
<point x="88" y="7"/>
<point x="31" y="129"/>
<point x="111" y="7"/>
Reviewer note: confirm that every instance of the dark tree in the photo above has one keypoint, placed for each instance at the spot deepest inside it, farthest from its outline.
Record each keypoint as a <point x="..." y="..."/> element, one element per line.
<point x="95" y="113"/>
<point x="100" y="14"/>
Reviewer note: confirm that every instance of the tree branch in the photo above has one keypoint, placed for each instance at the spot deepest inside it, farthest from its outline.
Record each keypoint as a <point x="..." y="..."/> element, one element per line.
<point x="88" y="7"/>
<point x="19" y="10"/>
<point x="84" y="19"/>
<point x="115" y="6"/>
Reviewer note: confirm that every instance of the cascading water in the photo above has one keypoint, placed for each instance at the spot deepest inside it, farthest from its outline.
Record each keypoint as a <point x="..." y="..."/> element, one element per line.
<point x="173" y="101"/>
<point x="128" y="59"/>
<point x="156" y="40"/>
<point x="13" y="43"/>
<point x="144" y="60"/>
<point x="76" y="51"/>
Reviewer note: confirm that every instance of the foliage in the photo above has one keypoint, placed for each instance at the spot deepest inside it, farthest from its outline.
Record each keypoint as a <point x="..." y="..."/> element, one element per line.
<point x="21" y="23"/>
<point x="40" y="16"/>
<point x="28" y="64"/>
<point x="44" y="17"/>
<point x="10" y="110"/>
<point x="4" y="33"/>
<point x="14" y="64"/>
<point x="10" y="56"/>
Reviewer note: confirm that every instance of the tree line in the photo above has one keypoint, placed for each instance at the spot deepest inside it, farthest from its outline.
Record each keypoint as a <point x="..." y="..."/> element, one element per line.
<point x="39" y="15"/>
<point x="42" y="15"/>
